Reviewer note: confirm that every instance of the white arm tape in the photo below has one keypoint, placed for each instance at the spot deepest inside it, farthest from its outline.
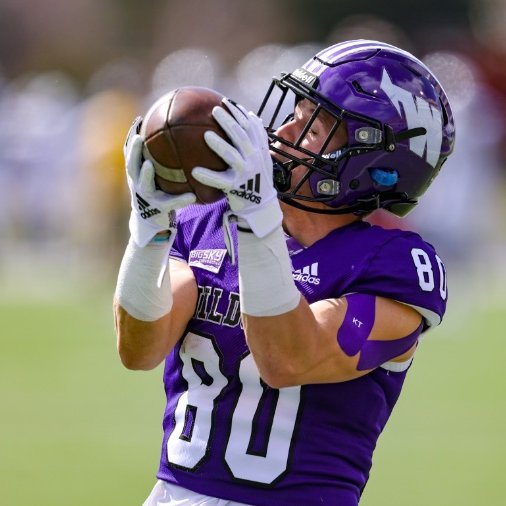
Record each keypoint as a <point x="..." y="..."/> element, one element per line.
<point x="137" y="290"/>
<point x="266" y="284"/>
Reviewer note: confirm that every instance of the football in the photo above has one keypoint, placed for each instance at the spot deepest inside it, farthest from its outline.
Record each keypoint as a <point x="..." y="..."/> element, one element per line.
<point x="173" y="134"/>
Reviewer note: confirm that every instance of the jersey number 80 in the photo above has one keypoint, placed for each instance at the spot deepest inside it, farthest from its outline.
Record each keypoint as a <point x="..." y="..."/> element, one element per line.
<point x="195" y="419"/>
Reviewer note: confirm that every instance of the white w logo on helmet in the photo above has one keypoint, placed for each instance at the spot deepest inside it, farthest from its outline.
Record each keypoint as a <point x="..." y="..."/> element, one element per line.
<point x="419" y="113"/>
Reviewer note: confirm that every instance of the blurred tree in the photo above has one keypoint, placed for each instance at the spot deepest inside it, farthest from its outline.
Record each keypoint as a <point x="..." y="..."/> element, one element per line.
<point x="13" y="40"/>
<point x="318" y="17"/>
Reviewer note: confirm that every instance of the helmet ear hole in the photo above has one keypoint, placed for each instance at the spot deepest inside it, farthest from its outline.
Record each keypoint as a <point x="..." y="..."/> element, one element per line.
<point x="384" y="177"/>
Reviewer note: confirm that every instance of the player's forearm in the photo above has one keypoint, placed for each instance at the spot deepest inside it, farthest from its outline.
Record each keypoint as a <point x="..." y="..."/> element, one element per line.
<point x="269" y="298"/>
<point x="281" y="345"/>
<point x="143" y="306"/>
<point x="141" y="345"/>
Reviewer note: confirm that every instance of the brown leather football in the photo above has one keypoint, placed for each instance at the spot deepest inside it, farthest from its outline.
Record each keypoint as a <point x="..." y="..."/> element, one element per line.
<point x="173" y="133"/>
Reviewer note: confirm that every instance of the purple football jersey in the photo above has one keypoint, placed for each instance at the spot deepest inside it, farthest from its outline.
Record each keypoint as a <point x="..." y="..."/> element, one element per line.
<point x="226" y="433"/>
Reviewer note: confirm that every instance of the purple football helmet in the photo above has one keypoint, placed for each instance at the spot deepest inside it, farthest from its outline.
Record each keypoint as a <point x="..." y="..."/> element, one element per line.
<point x="399" y="123"/>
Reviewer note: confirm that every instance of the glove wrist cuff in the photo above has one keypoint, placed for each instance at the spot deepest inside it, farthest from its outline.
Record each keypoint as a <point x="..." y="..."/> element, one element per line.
<point x="162" y="237"/>
<point x="261" y="220"/>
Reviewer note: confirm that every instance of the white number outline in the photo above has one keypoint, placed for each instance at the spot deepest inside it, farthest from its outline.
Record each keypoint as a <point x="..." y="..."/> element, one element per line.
<point x="425" y="272"/>
<point x="443" y="279"/>
<point x="189" y="452"/>
<point x="423" y="267"/>
<point x="178" y="443"/>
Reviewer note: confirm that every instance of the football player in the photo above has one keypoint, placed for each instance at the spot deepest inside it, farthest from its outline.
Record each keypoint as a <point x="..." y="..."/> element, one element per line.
<point x="287" y="323"/>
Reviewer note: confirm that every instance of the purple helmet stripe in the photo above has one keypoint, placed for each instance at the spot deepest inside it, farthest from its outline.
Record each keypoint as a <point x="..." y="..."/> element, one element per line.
<point x="344" y="49"/>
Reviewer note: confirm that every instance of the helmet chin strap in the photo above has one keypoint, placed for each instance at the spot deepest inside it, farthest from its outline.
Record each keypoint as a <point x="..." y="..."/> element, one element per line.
<point x="355" y="208"/>
<point x="362" y="206"/>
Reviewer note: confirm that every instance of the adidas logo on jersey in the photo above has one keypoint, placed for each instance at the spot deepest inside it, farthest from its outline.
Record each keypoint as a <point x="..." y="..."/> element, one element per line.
<point x="146" y="212"/>
<point x="308" y="274"/>
<point x="250" y="190"/>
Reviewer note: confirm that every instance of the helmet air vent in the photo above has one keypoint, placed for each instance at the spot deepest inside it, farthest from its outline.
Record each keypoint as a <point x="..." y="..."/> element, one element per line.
<point x="359" y="89"/>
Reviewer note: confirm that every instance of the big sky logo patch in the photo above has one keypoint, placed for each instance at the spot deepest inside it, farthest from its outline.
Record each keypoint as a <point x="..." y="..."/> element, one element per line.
<point x="207" y="259"/>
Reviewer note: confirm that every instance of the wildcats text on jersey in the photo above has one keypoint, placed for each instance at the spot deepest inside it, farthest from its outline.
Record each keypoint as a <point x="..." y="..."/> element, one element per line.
<point x="207" y="307"/>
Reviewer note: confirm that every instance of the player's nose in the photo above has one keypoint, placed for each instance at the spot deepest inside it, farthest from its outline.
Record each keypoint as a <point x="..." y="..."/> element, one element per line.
<point x="288" y="134"/>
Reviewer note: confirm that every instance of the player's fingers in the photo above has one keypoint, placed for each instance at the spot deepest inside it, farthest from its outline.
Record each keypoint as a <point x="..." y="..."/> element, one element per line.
<point x="132" y="131"/>
<point x="236" y="133"/>
<point x="238" y="112"/>
<point x="133" y="157"/>
<point x="249" y="121"/>
<point x="183" y="200"/>
<point x="258" y="133"/>
<point x="224" y="150"/>
<point x="220" y="180"/>
<point x="147" y="178"/>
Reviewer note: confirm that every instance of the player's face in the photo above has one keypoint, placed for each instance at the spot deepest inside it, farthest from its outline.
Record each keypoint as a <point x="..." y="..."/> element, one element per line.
<point x="315" y="138"/>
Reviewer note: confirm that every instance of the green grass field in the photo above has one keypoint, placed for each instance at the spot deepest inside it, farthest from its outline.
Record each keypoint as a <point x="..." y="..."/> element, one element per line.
<point x="78" y="429"/>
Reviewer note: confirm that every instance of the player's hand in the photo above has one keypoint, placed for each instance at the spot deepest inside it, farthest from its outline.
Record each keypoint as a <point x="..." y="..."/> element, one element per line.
<point x="248" y="182"/>
<point x="152" y="210"/>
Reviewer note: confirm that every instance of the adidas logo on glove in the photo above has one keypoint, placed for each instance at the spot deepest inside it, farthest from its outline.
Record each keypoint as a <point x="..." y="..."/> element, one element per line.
<point x="146" y="212"/>
<point x="308" y="274"/>
<point x="250" y="190"/>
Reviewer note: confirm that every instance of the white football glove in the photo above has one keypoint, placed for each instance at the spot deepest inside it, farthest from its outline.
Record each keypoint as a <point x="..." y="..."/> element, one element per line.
<point x="248" y="182"/>
<point x="152" y="209"/>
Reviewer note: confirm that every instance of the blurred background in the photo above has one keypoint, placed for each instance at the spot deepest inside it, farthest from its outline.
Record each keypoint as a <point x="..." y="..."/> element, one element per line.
<point x="76" y="428"/>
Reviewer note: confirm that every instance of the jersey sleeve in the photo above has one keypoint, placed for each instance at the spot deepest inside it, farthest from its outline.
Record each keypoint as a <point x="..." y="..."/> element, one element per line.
<point x="408" y="270"/>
